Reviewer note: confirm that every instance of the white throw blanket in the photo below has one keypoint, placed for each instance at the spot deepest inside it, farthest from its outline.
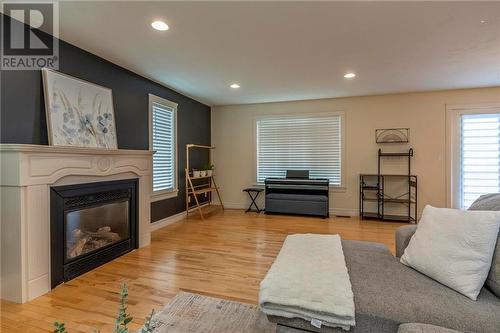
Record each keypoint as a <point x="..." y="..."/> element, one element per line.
<point x="309" y="280"/>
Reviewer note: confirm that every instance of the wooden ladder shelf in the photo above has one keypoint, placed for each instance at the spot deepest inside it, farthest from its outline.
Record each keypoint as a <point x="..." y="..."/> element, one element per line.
<point x="194" y="188"/>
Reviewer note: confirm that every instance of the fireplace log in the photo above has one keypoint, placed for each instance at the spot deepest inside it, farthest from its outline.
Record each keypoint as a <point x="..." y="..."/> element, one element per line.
<point x="77" y="247"/>
<point x="85" y="241"/>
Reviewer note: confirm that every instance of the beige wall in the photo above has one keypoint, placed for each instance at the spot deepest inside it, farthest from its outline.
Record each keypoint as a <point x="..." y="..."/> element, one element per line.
<point x="424" y="113"/>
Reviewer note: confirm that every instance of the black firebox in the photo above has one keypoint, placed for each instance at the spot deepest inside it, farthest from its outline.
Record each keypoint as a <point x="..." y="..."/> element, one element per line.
<point x="91" y="224"/>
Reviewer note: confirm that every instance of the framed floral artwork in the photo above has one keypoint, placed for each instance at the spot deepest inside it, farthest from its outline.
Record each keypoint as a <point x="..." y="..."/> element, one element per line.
<point x="79" y="113"/>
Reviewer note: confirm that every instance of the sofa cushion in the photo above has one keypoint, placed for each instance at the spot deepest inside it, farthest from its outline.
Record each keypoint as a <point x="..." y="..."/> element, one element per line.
<point x="491" y="202"/>
<point x="487" y="202"/>
<point x="403" y="236"/>
<point x="493" y="279"/>
<point x="388" y="293"/>
<point x="454" y="247"/>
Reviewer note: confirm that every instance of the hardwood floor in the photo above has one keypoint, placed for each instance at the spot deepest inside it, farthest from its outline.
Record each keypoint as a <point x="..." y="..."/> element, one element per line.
<point x="226" y="256"/>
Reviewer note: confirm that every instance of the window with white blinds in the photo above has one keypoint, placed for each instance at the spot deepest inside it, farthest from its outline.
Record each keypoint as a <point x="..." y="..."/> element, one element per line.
<point x="311" y="143"/>
<point x="163" y="141"/>
<point x="480" y="156"/>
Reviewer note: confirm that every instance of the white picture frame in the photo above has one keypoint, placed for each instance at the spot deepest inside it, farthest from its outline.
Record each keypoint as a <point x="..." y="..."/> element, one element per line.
<point x="79" y="113"/>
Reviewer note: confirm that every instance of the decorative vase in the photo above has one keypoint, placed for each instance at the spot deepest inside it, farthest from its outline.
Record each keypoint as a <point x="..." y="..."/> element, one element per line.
<point x="209" y="173"/>
<point x="203" y="173"/>
<point x="196" y="173"/>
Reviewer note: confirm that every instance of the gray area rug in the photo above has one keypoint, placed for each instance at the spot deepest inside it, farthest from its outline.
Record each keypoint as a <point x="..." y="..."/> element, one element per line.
<point x="192" y="313"/>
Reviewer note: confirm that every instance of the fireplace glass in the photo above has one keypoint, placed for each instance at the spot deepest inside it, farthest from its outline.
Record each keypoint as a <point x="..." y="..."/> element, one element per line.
<point x="89" y="229"/>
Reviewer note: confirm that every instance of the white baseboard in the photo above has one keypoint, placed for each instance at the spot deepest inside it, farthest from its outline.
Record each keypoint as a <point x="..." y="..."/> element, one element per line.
<point x="168" y="220"/>
<point x="333" y="211"/>
<point x="343" y="212"/>
<point x="235" y="205"/>
<point x="38" y="286"/>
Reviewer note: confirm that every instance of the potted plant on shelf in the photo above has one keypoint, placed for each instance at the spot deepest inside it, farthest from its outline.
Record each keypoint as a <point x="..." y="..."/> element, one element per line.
<point x="210" y="169"/>
<point x="203" y="172"/>
<point x="196" y="173"/>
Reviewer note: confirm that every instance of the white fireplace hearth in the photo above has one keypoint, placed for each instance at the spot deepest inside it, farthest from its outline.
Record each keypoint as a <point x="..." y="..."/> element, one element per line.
<point x="27" y="174"/>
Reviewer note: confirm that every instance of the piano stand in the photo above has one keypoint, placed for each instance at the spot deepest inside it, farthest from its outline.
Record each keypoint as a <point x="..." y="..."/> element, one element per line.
<point x="251" y="190"/>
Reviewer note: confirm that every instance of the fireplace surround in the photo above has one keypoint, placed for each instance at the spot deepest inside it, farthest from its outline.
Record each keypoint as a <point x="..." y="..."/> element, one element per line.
<point x="91" y="224"/>
<point x="28" y="172"/>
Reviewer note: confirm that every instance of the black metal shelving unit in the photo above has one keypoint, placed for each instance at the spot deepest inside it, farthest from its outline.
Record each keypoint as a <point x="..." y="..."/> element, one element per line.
<point x="373" y="188"/>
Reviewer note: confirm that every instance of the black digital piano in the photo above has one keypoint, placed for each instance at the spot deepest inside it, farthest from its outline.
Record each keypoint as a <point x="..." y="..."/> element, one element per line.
<point x="297" y="194"/>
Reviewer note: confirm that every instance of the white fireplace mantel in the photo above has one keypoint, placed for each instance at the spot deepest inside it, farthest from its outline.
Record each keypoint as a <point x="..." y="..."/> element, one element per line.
<point x="27" y="173"/>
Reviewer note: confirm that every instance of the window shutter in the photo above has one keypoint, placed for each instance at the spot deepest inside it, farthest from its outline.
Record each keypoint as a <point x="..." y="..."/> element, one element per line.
<point x="480" y="156"/>
<point x="311" y="143"/>
<point x="164" y="144"/>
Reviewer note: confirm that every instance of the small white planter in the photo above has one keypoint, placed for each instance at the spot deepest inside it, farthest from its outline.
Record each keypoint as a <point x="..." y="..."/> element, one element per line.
<point x="209" y="173"/>
<point x="196" y="174"/>
<point x="203" y="173"/>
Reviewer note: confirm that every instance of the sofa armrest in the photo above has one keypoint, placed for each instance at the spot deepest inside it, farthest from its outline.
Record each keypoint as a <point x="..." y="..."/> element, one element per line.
<point x="403" y="236"/>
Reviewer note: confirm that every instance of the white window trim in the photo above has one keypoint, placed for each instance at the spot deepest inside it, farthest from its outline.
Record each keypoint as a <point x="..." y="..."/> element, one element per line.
<point x="332" y="188"/>
<point x="453" y="149"/>
<point x="163" y="194"/>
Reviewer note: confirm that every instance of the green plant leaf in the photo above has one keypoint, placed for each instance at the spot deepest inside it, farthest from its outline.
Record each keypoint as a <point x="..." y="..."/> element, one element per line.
<point x="59" y="327"/>
<point x="150" y="323"/>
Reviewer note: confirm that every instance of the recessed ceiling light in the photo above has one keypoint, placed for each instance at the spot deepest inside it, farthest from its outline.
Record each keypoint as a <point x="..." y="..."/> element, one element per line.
<point x="235" y="86"/>
<point x="483" y="21"/>
<point x="349" y="75"/>
<point x="160" y="25"/>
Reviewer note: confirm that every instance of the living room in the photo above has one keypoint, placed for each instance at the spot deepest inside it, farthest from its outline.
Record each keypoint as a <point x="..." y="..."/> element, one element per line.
<point x="250" y="166"/>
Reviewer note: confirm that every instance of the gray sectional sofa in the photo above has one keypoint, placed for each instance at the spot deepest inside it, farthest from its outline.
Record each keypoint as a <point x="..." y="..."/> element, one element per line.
<point x="388" y="294"/>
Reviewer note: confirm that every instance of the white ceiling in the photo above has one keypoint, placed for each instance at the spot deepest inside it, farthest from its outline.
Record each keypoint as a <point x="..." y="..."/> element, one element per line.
<point x="282" y="51"/>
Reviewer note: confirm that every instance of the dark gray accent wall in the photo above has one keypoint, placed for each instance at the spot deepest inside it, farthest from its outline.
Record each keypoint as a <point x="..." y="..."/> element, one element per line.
<point x="22" y="116"/>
